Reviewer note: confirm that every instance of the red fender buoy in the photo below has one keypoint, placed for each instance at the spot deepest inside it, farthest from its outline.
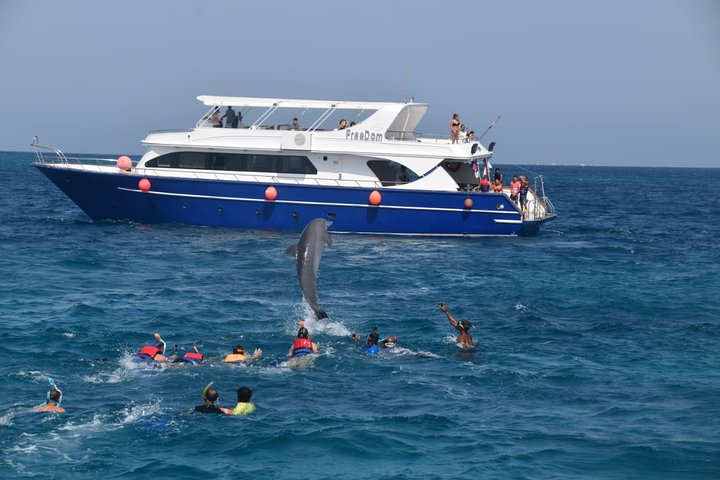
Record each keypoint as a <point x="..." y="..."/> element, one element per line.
<point x="144" y="184"/>
<point x="468" y="203"/>
<point x="271" y="193"/>
<point x="124" y="163"/>
<point x="375" y="197"/>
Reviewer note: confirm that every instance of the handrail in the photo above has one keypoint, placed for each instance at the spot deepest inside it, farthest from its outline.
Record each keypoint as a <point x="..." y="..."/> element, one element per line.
<point x="39" y="155"/>
<point x="224" y="175"/>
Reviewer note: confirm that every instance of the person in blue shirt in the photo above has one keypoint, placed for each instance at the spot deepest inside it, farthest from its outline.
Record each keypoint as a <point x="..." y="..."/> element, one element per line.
<point x="373" y="342"/>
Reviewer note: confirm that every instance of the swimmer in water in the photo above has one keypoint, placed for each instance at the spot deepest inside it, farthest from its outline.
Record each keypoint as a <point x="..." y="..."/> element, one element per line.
<point x="302" y="345"/>
<point x="464" y="339"/>
<point x="239" y="355"/>
<point x="244" y="406"/>
<point x="54" y="397"/>
<point x="373" y="342"/>
<point x="153" y="352"/>
<point x="210" y="398"/>
<point x="194" y="357"/>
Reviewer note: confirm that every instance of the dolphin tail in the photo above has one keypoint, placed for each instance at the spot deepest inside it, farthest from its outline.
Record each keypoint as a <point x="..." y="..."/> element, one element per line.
<point x="320" y="313"/>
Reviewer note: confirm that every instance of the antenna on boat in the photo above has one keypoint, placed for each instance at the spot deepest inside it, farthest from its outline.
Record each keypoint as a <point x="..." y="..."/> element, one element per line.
<point x="488" y="128"/>
<point x="406" y="97"/>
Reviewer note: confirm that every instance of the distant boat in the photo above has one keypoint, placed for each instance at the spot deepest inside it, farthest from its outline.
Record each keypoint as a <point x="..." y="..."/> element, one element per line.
<point x="374" y="175"/>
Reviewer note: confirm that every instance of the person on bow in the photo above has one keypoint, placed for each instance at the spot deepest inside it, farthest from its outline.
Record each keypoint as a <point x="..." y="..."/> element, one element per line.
<point x="463" y="326"/>
<point x="302" y="345"/>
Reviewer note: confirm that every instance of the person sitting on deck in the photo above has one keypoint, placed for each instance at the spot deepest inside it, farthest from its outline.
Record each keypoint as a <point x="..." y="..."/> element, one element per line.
<point x="484" y="184"/>
<point x="497" y="186"/>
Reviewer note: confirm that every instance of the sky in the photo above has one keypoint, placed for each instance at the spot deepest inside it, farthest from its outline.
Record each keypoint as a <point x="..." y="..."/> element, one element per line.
<point x="611" y="82"/>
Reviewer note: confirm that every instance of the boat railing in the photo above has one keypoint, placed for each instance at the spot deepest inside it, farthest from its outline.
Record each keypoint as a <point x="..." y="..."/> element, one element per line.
<point x="539" y="206"/>
<point x="41" y="153"/>
<point x="262" y="178"/>
<point x="54" y="156"/>
<point x="423" y="137"/>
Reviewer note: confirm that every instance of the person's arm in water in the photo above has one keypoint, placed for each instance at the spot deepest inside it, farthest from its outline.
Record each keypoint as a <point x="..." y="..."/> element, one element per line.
<point x="451" y="319"/>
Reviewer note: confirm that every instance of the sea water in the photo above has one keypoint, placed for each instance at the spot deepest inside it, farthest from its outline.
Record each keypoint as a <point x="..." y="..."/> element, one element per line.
<point x="597" y="342"/>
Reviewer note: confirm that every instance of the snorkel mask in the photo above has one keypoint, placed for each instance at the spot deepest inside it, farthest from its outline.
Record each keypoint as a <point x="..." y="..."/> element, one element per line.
<point x="204" y="394"/>
<point x="53" y="388"/>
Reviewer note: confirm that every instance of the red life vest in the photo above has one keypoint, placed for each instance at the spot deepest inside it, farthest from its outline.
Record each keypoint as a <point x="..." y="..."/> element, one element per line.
<point x="149" y="350"/>
<point x="194" y="356"/>
<point x="302" y="346"/>
<point x="302" y="343"/>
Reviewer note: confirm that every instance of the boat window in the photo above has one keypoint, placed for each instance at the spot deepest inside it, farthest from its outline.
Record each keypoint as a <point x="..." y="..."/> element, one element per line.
<point x="391" y="173"/>
<point x="237" y="162"/>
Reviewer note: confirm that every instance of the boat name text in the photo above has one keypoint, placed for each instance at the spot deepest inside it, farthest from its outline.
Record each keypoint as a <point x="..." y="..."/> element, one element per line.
<point x="365" y="136"/>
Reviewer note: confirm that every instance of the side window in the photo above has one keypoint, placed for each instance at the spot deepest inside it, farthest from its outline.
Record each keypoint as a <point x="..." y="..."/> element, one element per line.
<point x="235" y="162"/>
<point x="391" y="173"/>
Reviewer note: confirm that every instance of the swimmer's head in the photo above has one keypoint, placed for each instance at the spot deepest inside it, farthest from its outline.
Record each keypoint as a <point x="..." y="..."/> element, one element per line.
<point x="372" y="338"/>
<point x="389" y="342"/>
<point x="211" y="395"/>
<point x="244" y="394"/>
<point x="303" y="332"/>
<point x="55" y="395"/>
<point x="239" y="350"/>
<point x="466" y="325"/>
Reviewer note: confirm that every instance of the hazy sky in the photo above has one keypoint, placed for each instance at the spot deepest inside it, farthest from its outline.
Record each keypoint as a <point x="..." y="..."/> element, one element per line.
<point x="611" y="82"/>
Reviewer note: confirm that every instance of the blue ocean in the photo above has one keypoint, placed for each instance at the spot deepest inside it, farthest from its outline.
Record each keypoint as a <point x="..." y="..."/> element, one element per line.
<point x="597" y="342"/>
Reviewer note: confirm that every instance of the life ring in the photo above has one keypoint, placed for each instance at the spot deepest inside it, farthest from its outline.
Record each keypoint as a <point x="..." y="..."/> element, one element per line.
<point x="452" y="166"/>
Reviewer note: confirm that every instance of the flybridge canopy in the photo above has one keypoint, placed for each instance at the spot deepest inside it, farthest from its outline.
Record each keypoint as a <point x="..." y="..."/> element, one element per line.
<point x="212" y="100"/>
<point x="401" y="118"/>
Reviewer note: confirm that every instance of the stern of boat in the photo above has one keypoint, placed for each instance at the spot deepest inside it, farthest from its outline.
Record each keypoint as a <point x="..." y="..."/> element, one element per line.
<point x="539" y="209"/>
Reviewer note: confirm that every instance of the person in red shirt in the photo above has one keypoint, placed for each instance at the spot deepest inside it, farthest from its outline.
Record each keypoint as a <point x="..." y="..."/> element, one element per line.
<point x="515" y="189"/>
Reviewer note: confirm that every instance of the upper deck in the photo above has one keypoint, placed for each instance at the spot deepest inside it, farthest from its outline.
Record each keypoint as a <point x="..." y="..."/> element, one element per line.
<point x="364" y="128"/>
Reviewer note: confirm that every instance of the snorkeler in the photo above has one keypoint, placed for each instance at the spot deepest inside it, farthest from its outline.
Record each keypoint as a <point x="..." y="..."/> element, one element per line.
<point x="153" y="352"/>
<point x="210" y="397"/>
<point x="464" y="339"/>
<point x="373" y="342"/>
<point x="194" y="357"/>
<point x="244" y="405"/>
<point x="52" y="403"/>
<point x="302" y="345"/>
<point x="240" y="355"/>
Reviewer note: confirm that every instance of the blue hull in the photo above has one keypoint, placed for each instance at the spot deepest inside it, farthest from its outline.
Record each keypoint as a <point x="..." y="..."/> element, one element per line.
<point x="216" y="203"/>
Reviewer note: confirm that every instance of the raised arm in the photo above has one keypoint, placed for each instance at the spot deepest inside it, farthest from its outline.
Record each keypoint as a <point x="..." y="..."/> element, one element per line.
<point x="450" y="318"/>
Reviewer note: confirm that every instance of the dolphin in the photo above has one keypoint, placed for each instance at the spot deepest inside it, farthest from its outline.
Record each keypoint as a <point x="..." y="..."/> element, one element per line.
<point x="308" y="253"/>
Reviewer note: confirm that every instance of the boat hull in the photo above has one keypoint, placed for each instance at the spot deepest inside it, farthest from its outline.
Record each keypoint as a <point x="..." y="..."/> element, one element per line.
<point x="236" y="204"/>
